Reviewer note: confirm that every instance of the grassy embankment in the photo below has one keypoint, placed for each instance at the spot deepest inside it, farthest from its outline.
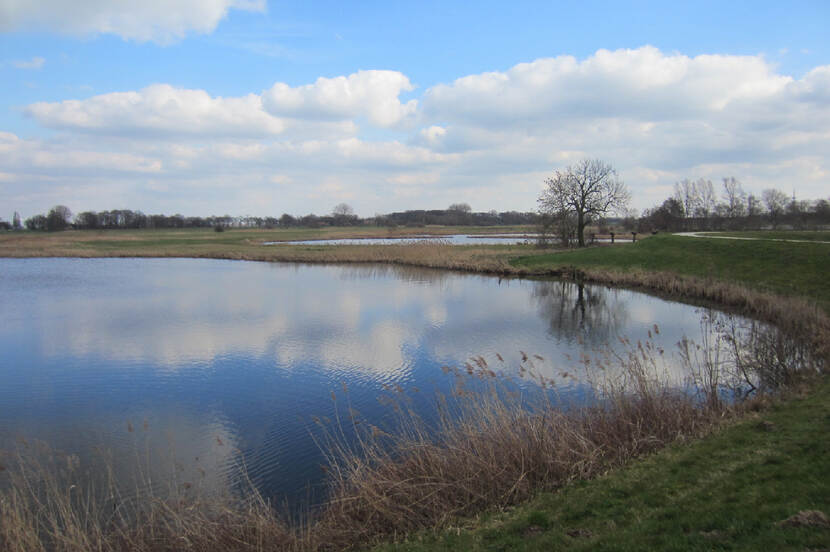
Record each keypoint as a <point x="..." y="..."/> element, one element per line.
<point x="727" y="491"/>
<point x="702" y="495"/>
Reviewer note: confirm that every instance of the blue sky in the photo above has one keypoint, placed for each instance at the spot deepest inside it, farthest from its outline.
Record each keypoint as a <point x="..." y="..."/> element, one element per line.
<point x="247" y="107"/>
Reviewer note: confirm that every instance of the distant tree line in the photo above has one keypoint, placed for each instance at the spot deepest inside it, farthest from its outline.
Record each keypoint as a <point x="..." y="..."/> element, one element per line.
<point x="60" y="217"/>
<point x="698" y="205"/>
<point x="695" y="205"/>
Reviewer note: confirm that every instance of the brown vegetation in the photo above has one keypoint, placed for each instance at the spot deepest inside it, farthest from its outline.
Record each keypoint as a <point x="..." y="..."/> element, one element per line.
<point x="492" y="446"/>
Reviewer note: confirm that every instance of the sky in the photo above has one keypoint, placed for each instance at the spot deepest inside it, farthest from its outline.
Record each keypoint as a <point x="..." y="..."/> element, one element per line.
<point x="255" y="107"/>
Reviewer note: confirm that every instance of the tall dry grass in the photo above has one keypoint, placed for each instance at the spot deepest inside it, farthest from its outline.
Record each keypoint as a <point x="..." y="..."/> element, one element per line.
<point x="495" y="441"/>
<point x="501" y="443"/>
<point x="49" y="501"/>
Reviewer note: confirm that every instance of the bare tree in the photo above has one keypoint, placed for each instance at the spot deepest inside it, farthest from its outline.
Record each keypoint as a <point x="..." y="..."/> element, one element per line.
<point x="686" y="192"/>
<point x="776" y="202"/>
<point x="342" y="210"/>
<point x="734" y="197"/>
<point x="587" y="190"/>
<point x="343" y="215"/>
<point x="460" y="207"/>
<point x="16" y="221"/>
<point x="708" y="201"/>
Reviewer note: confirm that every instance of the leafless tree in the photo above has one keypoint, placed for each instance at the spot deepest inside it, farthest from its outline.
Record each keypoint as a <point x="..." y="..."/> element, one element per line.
<point x="686" y="192"/>
<point x="753" y="206"/>
<point x="776" y="202"/>
<point x="734" y="197"/>
<point x="342" y="210"/>
<point x="587" y="190"/>
<point x="708" y="201"/>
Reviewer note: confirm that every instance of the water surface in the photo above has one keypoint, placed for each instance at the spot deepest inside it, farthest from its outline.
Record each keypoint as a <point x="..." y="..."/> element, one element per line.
<point x="191" y="365"/>
<point x="454" y="239"/>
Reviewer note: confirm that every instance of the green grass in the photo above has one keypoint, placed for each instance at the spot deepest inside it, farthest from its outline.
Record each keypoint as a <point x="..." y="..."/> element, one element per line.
<point x="792" y="269"/>
<point x="725" y="492"/>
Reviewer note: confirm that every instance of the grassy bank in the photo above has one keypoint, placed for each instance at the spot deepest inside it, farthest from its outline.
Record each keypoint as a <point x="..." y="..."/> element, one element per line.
<point x="788" y="269"/>
<point x="728" y="491"/>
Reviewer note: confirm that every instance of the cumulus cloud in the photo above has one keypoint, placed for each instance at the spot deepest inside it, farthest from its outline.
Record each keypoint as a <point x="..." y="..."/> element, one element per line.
<point x="645" y="111"/>
<point x="159" y="21"/>
<point x="38" y="158"/>
<point x="488" y="139"/>
<point x="34" y="63"/>
<point x="642" y="84"/>
<point x="370" y="94"/>
<point x="329" y="108"/>
<point x="160" y="109"/>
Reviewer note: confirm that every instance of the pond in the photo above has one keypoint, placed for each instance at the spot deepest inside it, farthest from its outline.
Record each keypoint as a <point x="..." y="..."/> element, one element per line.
<point x="197" y="366"/>
<point x="453" y="239"/>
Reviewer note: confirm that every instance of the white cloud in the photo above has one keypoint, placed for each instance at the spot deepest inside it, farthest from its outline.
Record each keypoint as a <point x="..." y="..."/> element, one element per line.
<point x="486" y="139"/>
<point x="161" y="21"/>
<point x="642" y="84"/>
<point x="34" y="63"/>
<point x="160" y="109"/>
<point x="370" y="94"/>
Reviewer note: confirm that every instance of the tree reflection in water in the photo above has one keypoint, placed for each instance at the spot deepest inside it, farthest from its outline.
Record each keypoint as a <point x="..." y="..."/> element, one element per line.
<point x="591" y="315"/>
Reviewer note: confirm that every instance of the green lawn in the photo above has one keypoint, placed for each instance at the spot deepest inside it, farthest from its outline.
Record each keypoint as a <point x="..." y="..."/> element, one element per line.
<point x="801" y="269"/>
<point x="725" y="492"/>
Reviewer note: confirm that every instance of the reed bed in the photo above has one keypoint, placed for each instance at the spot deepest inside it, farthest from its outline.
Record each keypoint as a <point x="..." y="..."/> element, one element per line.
<point x="496" y="440"/>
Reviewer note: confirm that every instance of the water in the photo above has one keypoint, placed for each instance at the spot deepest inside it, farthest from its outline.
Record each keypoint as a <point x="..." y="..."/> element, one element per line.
<point x="455" y="239"/>
<point x="190" y="366"/>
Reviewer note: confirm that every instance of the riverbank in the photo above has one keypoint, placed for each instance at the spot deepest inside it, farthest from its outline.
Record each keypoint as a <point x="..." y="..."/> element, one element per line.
<point x="788" y="269"/>
<point x="732" y="490"/>
<point x="774" y="282"/>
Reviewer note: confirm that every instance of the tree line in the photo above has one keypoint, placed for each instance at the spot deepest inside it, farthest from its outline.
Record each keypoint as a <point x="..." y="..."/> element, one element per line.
<point x="699" y="205"/>
<point x="580" y="195"/>
<point x="587" y="192"/>
<point x="60" y="217"/>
